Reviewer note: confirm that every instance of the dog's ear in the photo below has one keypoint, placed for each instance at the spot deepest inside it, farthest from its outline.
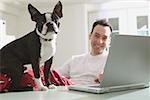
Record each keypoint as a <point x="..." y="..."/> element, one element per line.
<point x="33" y="12"/>
<point x="57" y="12"/>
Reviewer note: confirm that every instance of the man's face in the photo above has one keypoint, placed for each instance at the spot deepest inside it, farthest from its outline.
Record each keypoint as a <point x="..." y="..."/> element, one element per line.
<point x="99" y="38"/>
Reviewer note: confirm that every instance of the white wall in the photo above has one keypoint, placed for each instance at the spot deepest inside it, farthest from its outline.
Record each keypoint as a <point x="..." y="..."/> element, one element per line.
<point x="126" y="11"/>
<point x="73" y="37"/>
<point x="9" y="14"/>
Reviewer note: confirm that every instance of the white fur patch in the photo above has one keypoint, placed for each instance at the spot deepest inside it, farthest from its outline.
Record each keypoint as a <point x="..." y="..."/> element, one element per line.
<point x="44" y="30"/>
<point x="48" y="48"/>
<point x="38" y="82"/>
<point x="48" y="17"/>
<point x="40" y="85"/>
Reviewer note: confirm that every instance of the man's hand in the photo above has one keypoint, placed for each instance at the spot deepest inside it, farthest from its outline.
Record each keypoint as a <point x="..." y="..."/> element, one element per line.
<point x="99" y="78"/>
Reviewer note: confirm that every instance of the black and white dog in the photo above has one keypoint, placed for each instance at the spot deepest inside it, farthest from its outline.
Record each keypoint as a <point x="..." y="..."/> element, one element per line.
<point x="34" y="48"/>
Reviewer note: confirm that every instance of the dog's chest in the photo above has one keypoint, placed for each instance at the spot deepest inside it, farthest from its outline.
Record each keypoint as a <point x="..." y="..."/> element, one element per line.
<point x="48" y="49"/>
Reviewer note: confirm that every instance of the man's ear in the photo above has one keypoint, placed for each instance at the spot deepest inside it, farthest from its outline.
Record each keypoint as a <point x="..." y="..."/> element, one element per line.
<point x="33" y="12"/>
<point x="57" y="12"/>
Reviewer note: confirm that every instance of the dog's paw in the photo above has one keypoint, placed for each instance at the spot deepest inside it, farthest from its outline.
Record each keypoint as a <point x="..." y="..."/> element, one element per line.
<point x="43" y="88"/>
<point x="52" y="86"/>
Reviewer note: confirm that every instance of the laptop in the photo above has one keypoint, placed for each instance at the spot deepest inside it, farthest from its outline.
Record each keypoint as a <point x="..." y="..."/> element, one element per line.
<point x="127" y="66"/>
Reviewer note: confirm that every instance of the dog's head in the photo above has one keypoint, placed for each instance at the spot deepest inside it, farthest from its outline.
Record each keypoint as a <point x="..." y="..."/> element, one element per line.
<point x="47" y="24"/>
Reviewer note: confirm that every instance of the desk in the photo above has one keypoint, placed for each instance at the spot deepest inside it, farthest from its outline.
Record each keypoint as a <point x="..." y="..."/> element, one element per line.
<point x="62" y="93"/>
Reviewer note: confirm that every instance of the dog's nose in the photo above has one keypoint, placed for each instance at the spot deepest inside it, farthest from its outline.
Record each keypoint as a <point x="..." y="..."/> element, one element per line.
<point x="52" y="27"/>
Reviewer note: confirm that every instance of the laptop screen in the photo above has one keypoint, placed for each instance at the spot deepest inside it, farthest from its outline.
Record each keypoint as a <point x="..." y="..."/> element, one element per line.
<point x="128" y="61"/>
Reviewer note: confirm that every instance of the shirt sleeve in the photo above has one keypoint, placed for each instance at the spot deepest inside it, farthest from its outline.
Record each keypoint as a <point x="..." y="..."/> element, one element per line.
<point x="65" y="68"/>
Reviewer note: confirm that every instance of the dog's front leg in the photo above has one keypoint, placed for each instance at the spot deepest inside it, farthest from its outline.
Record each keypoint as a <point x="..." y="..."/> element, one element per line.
<point x="47" y="74"/>
<point x="36" y="70"/>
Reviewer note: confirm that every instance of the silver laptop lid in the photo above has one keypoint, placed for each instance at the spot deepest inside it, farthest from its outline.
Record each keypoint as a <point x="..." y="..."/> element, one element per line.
<point x="128" y="61"/>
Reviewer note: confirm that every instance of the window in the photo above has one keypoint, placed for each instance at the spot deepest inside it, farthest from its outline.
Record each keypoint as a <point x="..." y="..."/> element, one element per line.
<point x="142" y="25"/>
<point x="126" y="17"/>
<point x="115" y="24"/>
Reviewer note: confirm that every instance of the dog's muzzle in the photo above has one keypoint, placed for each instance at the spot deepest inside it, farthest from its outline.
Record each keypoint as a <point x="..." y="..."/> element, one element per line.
<point x="51" y="26"/>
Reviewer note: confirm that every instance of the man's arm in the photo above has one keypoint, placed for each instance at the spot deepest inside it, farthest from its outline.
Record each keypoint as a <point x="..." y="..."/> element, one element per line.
<point x="65" y="69"/>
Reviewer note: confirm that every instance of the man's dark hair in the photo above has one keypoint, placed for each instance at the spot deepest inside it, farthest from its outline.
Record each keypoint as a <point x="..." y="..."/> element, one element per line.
<point x="102" y="22"/>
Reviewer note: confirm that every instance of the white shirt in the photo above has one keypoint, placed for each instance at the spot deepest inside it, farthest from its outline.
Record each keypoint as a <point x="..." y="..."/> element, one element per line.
<point x="83" y="69"/>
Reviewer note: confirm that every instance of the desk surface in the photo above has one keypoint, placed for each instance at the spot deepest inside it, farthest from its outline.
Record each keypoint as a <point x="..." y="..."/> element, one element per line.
<point x="62" y="93"/>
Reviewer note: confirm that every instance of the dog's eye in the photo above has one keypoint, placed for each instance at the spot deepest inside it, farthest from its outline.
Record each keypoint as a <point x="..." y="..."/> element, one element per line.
<point x="57" y="22"/>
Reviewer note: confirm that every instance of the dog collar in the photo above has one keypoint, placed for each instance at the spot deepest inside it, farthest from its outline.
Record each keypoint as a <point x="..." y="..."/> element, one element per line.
<point x="42" y="36"/>
<point x="46" y="39"/>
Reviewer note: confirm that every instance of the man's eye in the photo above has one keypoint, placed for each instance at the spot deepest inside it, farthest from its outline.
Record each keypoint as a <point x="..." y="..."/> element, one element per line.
<point x="104" y="38"/>
<point x="97" y="35"/>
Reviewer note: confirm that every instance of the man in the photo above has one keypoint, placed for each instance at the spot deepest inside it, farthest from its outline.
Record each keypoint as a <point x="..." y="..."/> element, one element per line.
<point x="88" y="68"/>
